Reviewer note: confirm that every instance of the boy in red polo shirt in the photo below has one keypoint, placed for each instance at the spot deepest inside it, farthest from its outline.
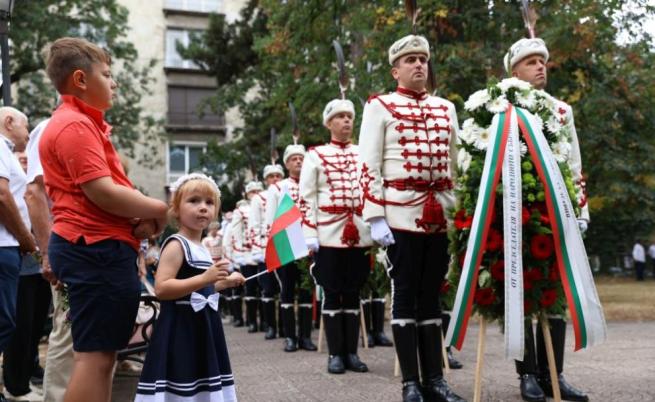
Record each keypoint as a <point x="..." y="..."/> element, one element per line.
<point x="96" y="211"/>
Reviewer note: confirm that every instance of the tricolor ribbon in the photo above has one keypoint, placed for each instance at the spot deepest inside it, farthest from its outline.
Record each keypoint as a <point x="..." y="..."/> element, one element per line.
<point x="198" y="301"/>
<point x="577" y="281"/>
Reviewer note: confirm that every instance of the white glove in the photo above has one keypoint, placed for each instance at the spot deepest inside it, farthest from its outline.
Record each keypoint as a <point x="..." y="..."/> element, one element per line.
<point x="583" y="225"/>
<point x="239" y="261"/>
<point x="380" y="232"/>
<point x="258" y="257"/>
<point x="312" y="243"/>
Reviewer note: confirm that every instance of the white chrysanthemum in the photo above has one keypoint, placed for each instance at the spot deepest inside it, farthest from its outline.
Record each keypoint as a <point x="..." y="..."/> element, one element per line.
<point x="482" y="141"/>
<point x="381" y="257"/>
<point x="561" y="151"/>
<point x="464" y="160"/>
<point x="539" y="121"/>
<point x="477" y="99"/>
<point x="546" y="101"/>
<point x="523" y="149"/>
<point x="553" y="124"/>
<point x="498" y="105"/>
<point x="470" y="131"/>
<point x="526" y="99"/>
<point x="513" y="82"/>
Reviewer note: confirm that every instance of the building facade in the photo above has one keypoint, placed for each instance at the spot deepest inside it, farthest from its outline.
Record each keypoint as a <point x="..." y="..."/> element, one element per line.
<point x="156" y="27"/>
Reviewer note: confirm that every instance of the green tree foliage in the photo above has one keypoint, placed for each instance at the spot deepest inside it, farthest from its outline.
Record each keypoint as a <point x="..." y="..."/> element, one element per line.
<point x="281" y="51"/>
<point x="35" y="24"/>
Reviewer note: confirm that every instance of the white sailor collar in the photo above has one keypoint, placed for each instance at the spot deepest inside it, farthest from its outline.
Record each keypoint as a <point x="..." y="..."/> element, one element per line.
<point x="195" y="255"/>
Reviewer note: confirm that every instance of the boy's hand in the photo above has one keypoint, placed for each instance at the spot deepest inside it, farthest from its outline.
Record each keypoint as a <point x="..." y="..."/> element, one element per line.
<point x="217" y="272"/>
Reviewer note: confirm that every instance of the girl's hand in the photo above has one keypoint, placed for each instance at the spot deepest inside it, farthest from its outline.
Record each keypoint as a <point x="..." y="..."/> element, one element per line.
<point x="217" y="272"/>
<point x="233" y="280"/>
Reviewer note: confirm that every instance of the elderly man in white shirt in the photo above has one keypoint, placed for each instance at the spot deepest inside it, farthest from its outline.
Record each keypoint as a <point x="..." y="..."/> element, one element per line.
<point x="15" y="236"/>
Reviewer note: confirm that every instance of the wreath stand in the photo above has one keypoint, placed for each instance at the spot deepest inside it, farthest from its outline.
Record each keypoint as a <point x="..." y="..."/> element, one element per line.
<point x="543" y="321"/>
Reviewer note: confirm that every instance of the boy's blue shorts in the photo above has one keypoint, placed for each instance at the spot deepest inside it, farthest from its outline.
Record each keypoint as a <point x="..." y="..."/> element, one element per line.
<point x="103" y="290"/>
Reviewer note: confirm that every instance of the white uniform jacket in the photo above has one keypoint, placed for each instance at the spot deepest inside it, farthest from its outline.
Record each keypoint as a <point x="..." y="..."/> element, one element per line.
<point x="240" y="240"/>
<point x="331" y="194"/>
<point x="257" y="223"/>
<point x="575" y="160"/>
<point x="408" y="154"/>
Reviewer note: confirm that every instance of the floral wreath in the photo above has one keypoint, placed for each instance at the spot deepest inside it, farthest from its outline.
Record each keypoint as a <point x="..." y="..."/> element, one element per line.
<point x="541" y="282"/>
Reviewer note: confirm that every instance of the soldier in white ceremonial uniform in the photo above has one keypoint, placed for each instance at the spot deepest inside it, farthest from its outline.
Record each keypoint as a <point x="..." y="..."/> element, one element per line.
<point x="290" y="276"/>
<point x="233" y="295"/>
<point x="259" y="229"/>
<point x="335" y="231"/>
<point x="407" y="157"/>
<point x="526" y="60"/>
<point x="243" y="237"/>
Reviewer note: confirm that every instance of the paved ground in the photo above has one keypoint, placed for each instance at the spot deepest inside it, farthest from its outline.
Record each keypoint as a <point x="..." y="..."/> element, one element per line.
<point x="622" y="369"/>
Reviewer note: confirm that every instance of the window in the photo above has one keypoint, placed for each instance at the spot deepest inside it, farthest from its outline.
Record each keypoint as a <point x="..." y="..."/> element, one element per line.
<point x="183" y="107"/>
<point x="184" y="158"/>
<point x="173" y="58"/>
<point x="201" y="6"/>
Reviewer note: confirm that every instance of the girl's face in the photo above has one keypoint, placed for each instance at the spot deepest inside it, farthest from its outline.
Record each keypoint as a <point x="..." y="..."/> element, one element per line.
<point x="197" y="210"/>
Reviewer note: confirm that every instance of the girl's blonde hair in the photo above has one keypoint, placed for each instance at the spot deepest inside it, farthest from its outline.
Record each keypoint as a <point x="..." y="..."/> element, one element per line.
<point x="203" y="187"/>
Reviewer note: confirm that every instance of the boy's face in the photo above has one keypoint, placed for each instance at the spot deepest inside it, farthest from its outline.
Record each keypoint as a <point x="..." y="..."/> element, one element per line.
<point x="100" y="86"/>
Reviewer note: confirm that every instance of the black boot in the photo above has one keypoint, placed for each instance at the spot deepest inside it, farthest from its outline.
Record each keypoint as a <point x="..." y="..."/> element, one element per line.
<point x="452" y="362"/>
<point x="366" y="308"/>
<point x="317" y="323"/>
<point x="567" y="391"/>
<point x="530" y="389"/>
<point x="289" y="323"/>
<point x="238" y="311"/>
<point x="269" y="317"/>
<point x="280" y="321"/>
<point x="377" y="312"/>
<point x="305" y="329"/>
<point x="251" y="315"/>
<point x="351" y="325"/>
<point x="404" y="337"/>
<point x="333" y="326"/>
<point x="262" y="316"/>
<point x="429" y="350"/>
<point x="412" y="392"/>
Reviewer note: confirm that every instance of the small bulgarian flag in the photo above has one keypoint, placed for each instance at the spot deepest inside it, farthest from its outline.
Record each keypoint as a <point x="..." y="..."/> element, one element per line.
<point x="286" y="242"/>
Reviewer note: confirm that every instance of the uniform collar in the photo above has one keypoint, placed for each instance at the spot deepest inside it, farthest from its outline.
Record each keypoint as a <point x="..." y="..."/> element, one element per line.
<point x="294" y="179"/>
<point x="9" y="142"/>
<point x="411" y="94"/>
<point x="96" y="115"/>
<point x="340" y="144"/>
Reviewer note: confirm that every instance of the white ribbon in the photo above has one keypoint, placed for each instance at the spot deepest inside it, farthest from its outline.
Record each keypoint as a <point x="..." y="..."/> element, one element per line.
<point x="512" y="228"/>
<point x="198" y="301"/>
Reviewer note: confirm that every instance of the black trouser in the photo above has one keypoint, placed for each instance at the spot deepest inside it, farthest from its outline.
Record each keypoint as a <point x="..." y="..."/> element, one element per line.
<point x="267" y="282"/>
<point x="535" y="360"/>
<point x="289" y="277"/>
<point x="33" y="303"/>
<point x="639" y="270"/>
<point x="341" y="272"/>
<point x="419" y="265"/>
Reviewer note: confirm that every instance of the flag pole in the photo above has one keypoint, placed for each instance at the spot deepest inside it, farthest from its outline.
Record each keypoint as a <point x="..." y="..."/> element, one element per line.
<point x="256" y="275"/>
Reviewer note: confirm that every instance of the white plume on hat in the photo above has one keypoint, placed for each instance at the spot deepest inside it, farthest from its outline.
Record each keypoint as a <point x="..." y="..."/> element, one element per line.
<point x="293" y="149"/>
<point x="272" y="169"/>
<point x="254" y="186"/>
<point x="409" y="44"/>
<point x="336" y="106"/>
<point x="523" y="48"/>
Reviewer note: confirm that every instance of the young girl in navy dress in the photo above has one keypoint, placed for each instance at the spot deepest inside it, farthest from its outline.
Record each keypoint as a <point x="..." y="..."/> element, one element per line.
<point x="187" y="359"/>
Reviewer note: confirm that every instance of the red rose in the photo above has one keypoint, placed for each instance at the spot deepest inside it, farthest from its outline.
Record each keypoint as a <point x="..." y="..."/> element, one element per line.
<point x="548" y="298"/>
<point x="462" y="221"/>
<point x="484" y="297"/>
<point x="553" y="273"/>
<point x="527" y="283"/>
<point x="445" y="287"/>
<point x="543" y="212"/>
<point x="527" y="306"/>
<point x="526" y="215"/>
<point x="541" y="246"/>
<point x="494" y="240"/>
<point x="498" y="270"/>
<point x="533" y="274"/>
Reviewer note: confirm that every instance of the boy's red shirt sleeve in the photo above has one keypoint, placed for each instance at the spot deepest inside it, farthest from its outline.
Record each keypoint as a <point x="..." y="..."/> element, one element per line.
<point x="81" y="152"/>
